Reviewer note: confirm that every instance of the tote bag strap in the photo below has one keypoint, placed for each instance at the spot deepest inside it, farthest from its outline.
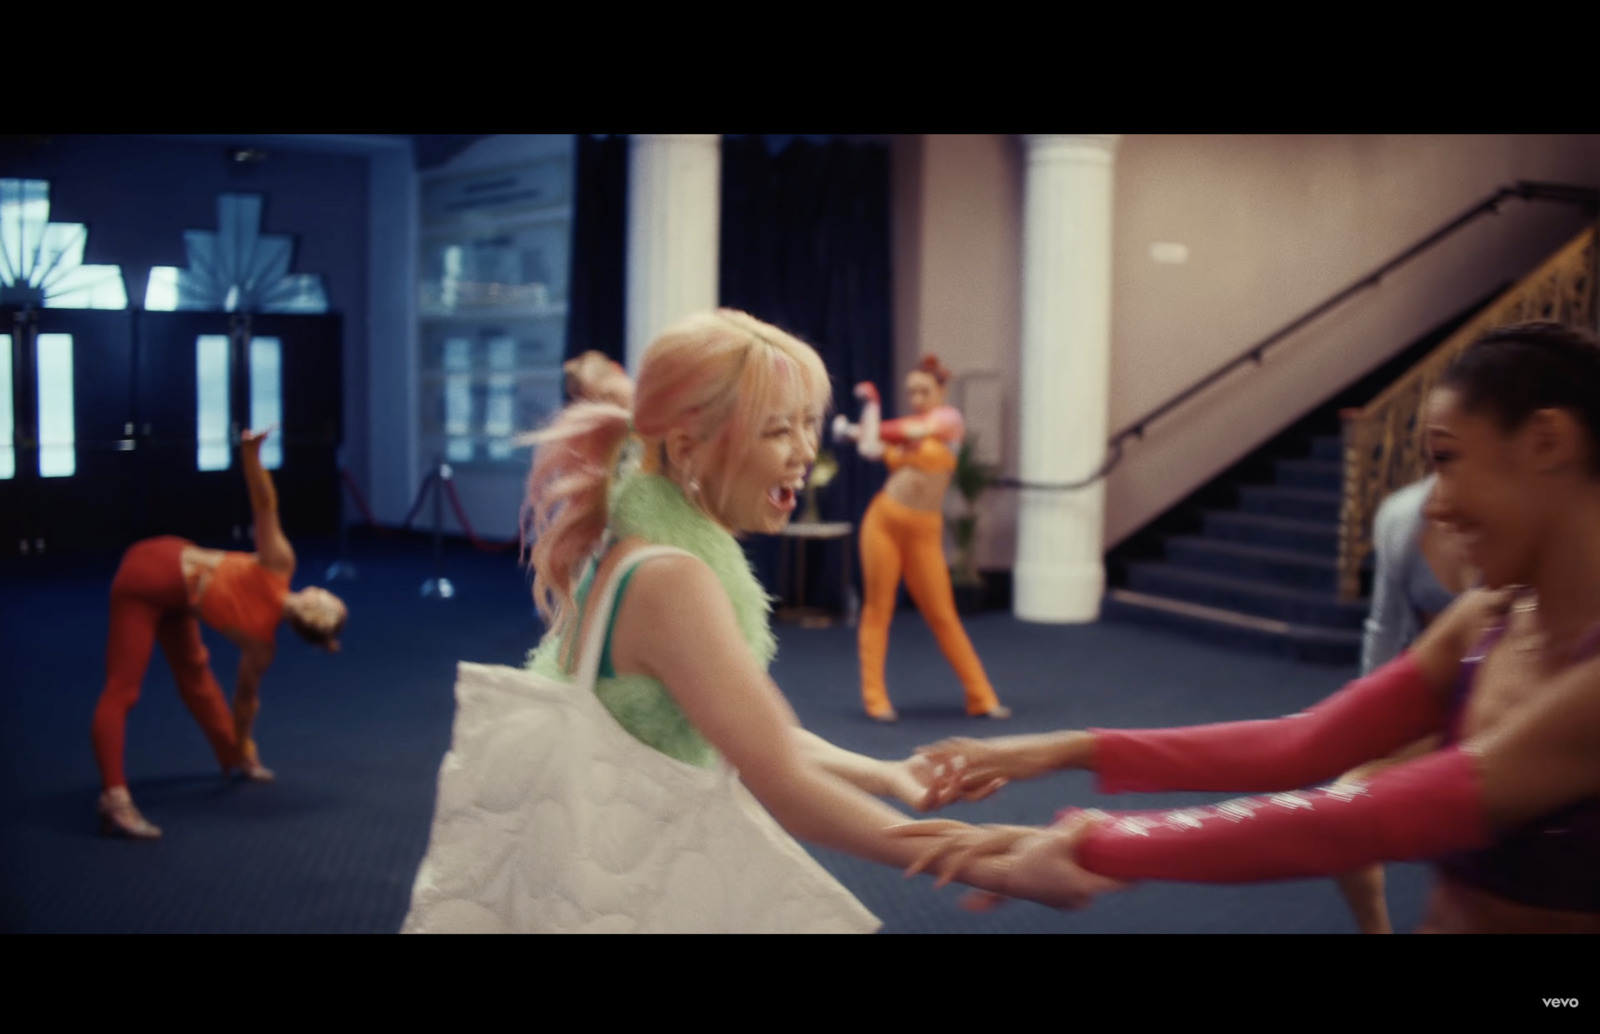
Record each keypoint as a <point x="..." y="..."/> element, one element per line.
<point x="599" y="621"/>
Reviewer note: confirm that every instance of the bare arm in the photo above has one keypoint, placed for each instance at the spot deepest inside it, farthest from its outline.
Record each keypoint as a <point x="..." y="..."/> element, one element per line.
<point x="908" y="781"/>
<point x="943" y="422"/>
<point x="254" y="659"/>
<point x="677" y="625"/>
<point x="272" y="547"/>
<point x="866" y="774"/>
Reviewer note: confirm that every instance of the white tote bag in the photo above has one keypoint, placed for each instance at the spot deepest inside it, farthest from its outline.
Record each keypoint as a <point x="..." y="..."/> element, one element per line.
<point x="552" y="818"/>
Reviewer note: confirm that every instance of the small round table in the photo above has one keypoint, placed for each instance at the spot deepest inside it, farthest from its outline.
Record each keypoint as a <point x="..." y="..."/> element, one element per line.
<point x="798" y="534"/>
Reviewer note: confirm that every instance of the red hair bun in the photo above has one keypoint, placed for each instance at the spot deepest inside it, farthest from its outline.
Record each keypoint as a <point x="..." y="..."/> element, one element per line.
<point x="930" y="364"/>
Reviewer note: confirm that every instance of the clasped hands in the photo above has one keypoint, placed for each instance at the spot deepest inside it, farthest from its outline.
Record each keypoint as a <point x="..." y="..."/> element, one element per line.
<point x="1029" y="862"/>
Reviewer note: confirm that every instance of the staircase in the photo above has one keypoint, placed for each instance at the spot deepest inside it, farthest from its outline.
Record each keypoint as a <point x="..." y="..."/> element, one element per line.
<point x="1251" y="559"/>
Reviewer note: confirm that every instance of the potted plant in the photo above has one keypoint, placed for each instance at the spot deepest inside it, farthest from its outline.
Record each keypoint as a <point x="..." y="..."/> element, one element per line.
<point x="822" y="472"/>
<point x="972" y="478"/>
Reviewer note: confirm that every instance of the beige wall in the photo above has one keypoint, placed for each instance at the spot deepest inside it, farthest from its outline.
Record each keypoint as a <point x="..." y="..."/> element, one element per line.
<point x="958" y="276"/>
<point x="1273" y="225"/>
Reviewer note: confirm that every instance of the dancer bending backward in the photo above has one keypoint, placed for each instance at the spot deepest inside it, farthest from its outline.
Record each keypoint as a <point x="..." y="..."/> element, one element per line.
<point x="1508" y="809"/>
<point x="903" y="533"/>
<point x="727" y="410"/>
<point x="163" y="589"/>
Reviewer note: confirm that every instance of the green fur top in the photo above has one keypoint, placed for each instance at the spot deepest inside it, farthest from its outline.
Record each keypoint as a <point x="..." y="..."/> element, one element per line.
<point x="654" y="509"/>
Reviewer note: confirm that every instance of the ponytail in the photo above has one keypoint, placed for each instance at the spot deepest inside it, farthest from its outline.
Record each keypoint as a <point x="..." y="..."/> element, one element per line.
<point x="564" y="515"/>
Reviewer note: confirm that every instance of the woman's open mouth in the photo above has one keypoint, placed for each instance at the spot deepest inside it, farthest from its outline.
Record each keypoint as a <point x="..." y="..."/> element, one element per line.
<point x="782" y="498"/>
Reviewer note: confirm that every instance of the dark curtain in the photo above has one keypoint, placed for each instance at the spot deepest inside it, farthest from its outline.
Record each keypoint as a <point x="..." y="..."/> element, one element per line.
<point x="597" y="283"/>
<point x="805" y="245"/>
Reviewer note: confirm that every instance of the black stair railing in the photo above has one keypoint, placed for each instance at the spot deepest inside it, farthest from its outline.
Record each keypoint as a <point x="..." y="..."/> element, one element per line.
<point x="1255" y="355"/>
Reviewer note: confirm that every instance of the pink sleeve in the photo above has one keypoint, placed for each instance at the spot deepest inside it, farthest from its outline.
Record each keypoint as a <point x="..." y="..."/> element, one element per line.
<point x="1413" y="812"/>
<point x="1368" y="719"/>
<point x="952" y="427"/>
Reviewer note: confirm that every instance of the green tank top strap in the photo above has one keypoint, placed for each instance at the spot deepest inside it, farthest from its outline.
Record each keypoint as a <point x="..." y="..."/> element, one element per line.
<point x="581" y="598"/>
<point x="606" y="670"/>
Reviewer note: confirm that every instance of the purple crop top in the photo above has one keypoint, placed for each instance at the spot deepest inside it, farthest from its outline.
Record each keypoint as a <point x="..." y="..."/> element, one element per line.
<point x="1552" y="862"/>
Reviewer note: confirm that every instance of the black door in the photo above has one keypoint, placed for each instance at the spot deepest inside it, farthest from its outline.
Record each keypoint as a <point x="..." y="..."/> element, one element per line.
<point x="17" y="454"/>
<point x="205" y="377"/>
<point x="188" y="420"/>
<point x="126" y="425"/>
<point x="74" y="483"/>
<point x="310" y="375"/>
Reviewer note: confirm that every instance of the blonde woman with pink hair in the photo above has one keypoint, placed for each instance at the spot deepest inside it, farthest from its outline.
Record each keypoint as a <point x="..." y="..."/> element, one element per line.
<point x="727" y="412"/>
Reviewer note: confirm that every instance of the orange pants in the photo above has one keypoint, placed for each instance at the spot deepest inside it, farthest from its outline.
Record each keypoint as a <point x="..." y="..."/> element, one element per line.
<point x="896" y="540"/>
<point x="150" y="604"/>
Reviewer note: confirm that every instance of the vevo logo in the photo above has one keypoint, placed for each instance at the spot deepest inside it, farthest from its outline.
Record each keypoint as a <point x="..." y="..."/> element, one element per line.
<point x="1556" y="1003"/>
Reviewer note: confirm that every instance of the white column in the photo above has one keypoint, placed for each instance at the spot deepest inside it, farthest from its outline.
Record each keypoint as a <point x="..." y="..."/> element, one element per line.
<point x="1066" y="345"/>
<point x="674" y="201"/>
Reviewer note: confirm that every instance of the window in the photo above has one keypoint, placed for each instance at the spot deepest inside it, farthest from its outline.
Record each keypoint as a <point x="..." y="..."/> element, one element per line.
<point x="235" y="268"/>
<point x="266" y="396"/>
<point x="488" y="383"/>
<point x="458" y="399"/>
<point x="499" y="422"/>
<point x="214" y="409"/>
<point x="493" y="303"/>
<point x="57" y="445"/>
<point x="213" y="405"/>
<point x="41" y="263"/>
<point x="8" y="448"/>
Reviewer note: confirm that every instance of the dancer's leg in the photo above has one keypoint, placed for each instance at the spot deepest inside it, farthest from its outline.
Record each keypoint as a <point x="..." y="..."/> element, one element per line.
<point x="928" y="579"/>
<point x="1363" y="888"/>
<point x="1363" y="892"/>
<point x="132" y="637"/>
<point x="148" y="585"/>
<point x="191" y="666"/>
<point x="880" y="580"/>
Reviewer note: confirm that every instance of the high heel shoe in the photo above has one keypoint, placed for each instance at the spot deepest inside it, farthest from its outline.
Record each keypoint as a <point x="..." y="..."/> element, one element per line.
<point x="257" y="772"/>
<point x="119" y="818"/>
<point x="250" y="772"/>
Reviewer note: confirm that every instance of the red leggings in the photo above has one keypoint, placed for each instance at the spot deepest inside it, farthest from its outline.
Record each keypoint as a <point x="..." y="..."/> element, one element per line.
<point x="150" y="603"/>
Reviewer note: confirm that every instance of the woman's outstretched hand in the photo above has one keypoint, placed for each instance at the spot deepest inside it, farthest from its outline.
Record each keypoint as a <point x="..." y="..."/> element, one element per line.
<point x="255" y="438"/>
<point x="920" y="783"/>
<point x="972" y="769"/>
<point x="1039" y="863"/>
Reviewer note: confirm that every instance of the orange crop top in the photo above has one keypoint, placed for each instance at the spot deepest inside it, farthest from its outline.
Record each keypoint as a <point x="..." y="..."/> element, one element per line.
<point x="245" y="596"/>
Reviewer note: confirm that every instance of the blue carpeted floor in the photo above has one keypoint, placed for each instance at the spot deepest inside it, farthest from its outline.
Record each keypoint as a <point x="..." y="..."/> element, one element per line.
<point x="356" y="741"/>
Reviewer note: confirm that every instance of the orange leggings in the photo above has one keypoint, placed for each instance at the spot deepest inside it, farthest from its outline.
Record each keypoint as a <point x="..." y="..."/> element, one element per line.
<point x="150" y="604"/>
<point x="896" y="540"/>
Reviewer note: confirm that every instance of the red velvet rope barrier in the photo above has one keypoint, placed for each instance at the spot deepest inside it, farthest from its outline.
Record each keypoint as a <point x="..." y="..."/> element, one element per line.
<point x="472" y="536"/>
<point x="366" y="511"/>
<point x="422" y="495"/>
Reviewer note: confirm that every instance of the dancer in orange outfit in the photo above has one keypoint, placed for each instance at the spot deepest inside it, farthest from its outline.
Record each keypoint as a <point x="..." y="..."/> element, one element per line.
<point x="903" y="534"/>
<point x="162" y="587"/>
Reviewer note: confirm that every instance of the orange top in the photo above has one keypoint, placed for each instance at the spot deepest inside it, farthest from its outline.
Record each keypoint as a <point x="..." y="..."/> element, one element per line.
<point x="929" y="454"/>
<point x="245" y="596"/>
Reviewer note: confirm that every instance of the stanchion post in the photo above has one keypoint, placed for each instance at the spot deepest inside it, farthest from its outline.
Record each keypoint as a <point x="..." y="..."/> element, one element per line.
<point x="342" y="567"/>
<point x="439" y="586"/>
